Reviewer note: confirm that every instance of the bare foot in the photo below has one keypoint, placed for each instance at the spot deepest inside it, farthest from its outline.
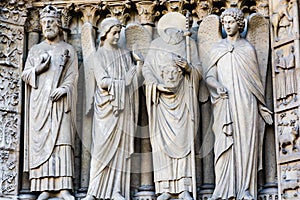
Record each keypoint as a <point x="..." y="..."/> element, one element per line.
<point x="89" y="197"/>
<point x="43" y="196"/>
<point x="65" y="194"/>
<point x="117" y="196"/>
<point x="164" y="196"/>
<point x="185" y="195"/>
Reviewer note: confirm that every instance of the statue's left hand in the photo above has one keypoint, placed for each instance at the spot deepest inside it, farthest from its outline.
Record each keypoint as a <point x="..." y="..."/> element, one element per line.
<point x="57" y="94"/>
<point x="266" y="114"/>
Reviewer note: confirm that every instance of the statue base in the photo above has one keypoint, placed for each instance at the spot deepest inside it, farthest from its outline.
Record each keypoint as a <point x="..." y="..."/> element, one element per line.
<point x="269" y="192"/>
<point x="146" y="192"/>
<point x="206" y="191"/>
<point x="26" y="194"/>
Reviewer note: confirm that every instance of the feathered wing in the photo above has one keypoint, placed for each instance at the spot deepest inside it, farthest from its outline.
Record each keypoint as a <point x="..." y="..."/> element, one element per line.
<point x="137" y="38"/>
<point x="88" y="52"/>
<point x="258" y="36"/>
<point x="209" y="34"/>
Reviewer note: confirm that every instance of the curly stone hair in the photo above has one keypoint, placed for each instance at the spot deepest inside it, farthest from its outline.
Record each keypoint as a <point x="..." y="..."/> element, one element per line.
<point x="237" y="14"/>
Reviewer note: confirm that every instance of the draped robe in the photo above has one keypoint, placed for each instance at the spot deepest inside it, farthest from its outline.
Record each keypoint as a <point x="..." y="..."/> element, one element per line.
<point x="173" y="120"/>
<point x="114" y="125"/>
<point x="236" y="119"/>
<point x="50" y="125"/>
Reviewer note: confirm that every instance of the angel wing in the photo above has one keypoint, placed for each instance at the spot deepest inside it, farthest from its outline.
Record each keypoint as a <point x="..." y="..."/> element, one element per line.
<point x="88" y="50"/>
<point x="209" y="34"/>
<point x="258" y="36"/>
<point x="138" y="38"/>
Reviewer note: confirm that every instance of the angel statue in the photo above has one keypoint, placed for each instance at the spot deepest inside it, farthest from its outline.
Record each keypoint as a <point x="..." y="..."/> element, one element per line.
<point x="235" y="72"/>
<point x="115" y="110"/>
<point x="172" y="76"/>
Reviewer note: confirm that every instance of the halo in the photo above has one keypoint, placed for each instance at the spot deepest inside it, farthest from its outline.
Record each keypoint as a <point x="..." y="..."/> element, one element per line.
<point x="171" y="20"/>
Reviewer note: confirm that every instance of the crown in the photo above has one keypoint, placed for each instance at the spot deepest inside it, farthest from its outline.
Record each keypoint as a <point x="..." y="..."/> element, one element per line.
<point x="50" y="11"/>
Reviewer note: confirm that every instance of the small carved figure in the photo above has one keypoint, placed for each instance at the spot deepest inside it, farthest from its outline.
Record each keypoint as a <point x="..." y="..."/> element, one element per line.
<point x="280" y="68"/>
<point x="50" y="74"/>
<point x="291" y="82"/>
<point x="237" y="95"/>
<point x="172" y="85"/>
<point x="281" y="18"/>
<point x="115" y="113"/>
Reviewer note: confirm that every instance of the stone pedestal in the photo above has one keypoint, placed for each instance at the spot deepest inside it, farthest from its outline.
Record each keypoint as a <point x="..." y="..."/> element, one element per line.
<point x="146" y="192"/>
<point x="270" y="192"/>
<point x="206" y="191"/>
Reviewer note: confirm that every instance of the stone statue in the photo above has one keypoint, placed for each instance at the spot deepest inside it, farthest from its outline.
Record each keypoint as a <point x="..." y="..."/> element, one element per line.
<point x="172" y="79"/>
<point x="50" y="74"/>
<point x="115" y="113"/>
<point x="291" y="80"/>
<point x="282" y="18"/>
<point x="280" y="69"/>
<point x="233" y="77"/>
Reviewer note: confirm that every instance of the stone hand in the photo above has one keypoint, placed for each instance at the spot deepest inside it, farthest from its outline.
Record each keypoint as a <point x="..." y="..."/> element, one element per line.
<point x="266" y="114"/>
<point x="222" y="92"/>
<point x="130" y="75"/>
<point x="137" y="56"/>
<point x="182" y="63"/>
<point x="43" y="64"/>
<point x="57" y="94"/>
<point x="163" y="88"/>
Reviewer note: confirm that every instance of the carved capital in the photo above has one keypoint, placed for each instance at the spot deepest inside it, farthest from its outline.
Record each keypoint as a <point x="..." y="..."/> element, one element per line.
<point x="118" y="10"/>
<point x="146" y="11"/>
<point x="203" y="9"/>
<point x="241" y="4"/>
<point x="33" y="21"/>
<point x="262" y="7"/>
<point x="66" y="15"/>
<point x="89" y="12"/>
<point x="173" y="5"/>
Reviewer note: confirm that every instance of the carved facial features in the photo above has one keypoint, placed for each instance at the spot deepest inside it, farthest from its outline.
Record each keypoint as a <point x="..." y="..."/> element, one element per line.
<point x="50" y="28"/>
<point x="113" y="36"/>
<point x="231" y="26"/>
<point x="172" y="76"/>
<point x="174" y="35"/>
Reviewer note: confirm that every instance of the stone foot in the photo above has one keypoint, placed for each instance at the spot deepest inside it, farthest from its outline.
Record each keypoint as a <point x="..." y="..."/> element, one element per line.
<point x="164" y="196"/>
<point x="118" y="196"/>
<point x="65" y="194"/>
<point x="89" y="197"/>
<point x="185" y="195"/>
<point x="44" y="196"/>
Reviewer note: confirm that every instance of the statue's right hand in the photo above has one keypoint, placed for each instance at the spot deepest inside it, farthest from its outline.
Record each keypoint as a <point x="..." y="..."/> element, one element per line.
<point x="222" y="92"/>
<point x="44" y="63"/>
<point x="162" y="88"/>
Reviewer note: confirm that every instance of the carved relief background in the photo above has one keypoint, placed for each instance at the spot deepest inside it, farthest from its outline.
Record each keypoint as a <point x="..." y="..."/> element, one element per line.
<point x="12" y="39"/>
<point x="285" y="48"/>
